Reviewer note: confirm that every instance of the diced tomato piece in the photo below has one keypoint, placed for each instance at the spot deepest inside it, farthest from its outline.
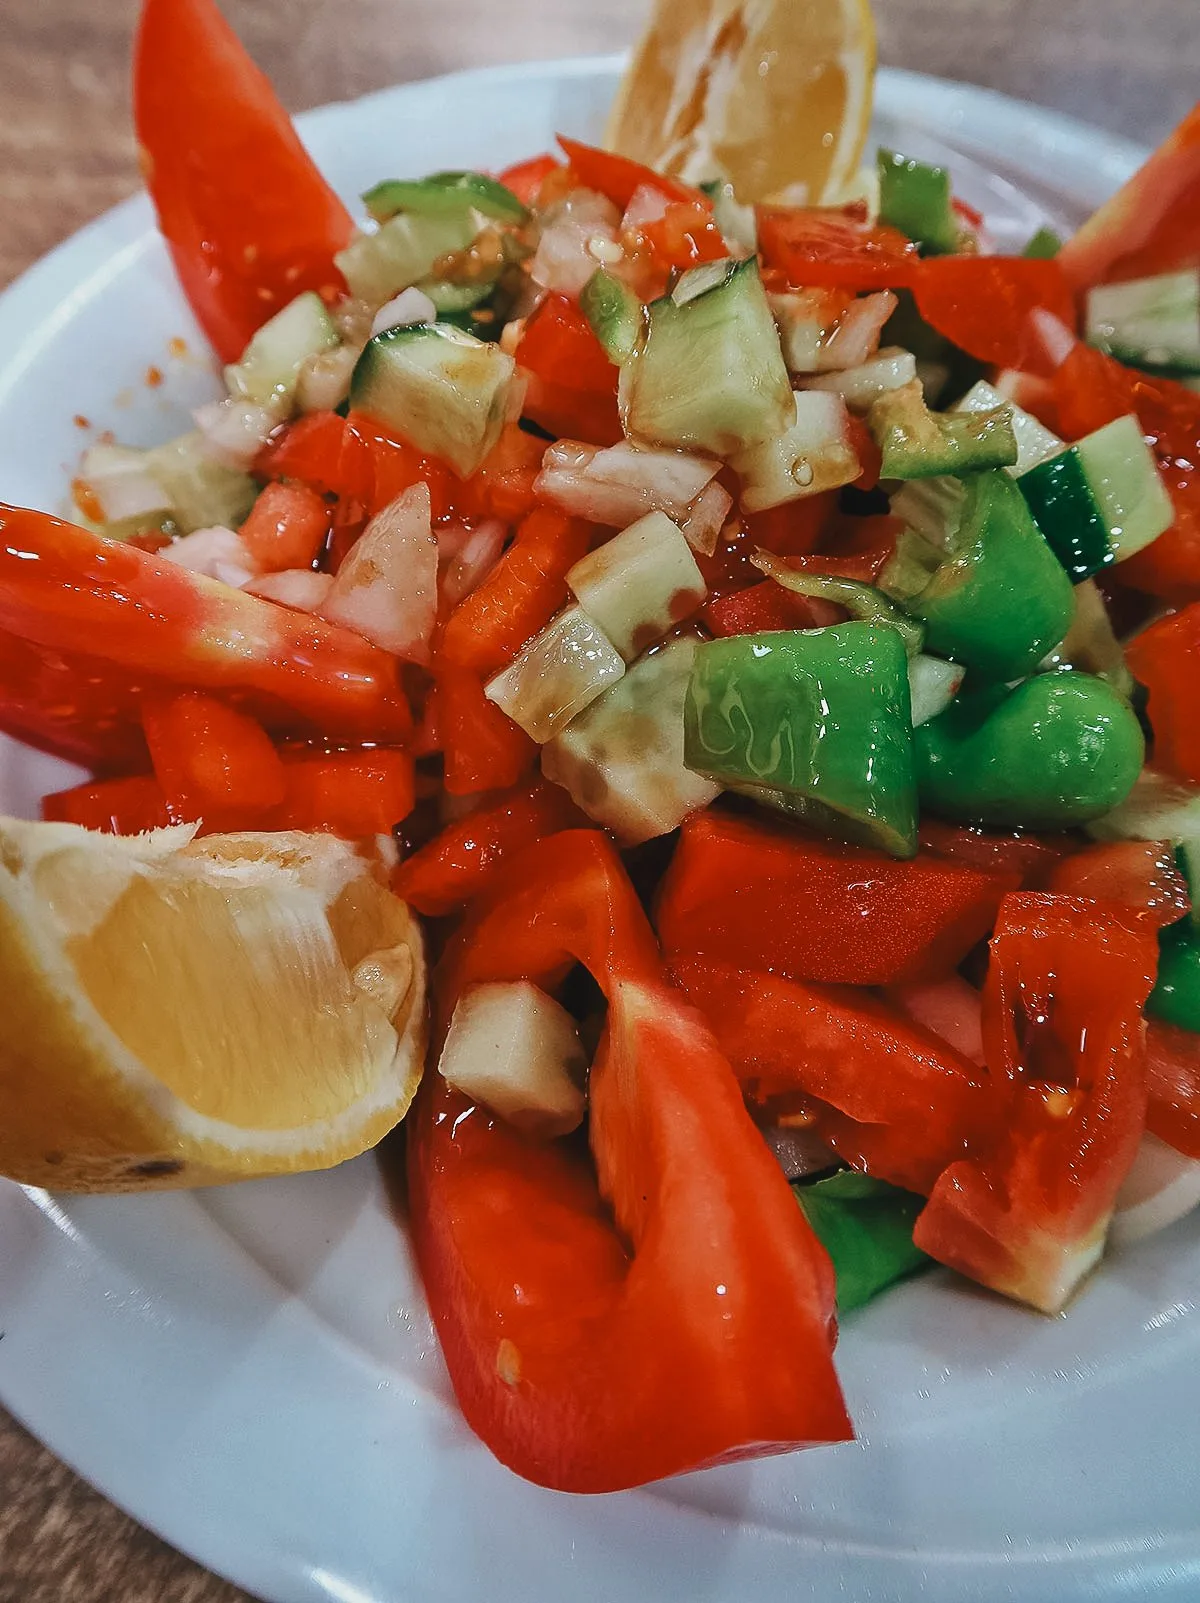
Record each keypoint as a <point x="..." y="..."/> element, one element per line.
<point x="685" y="235"/>
<point x="464" y="860"/>
<point x="520" y="595"/>
<point x="309" y="451"/>
<point x="984" y="305"/>
<point x="502" y="487"/>
<point x="527" y="177"/>
<point x="116" y="806"/>
<point x="483" y="749"/>
<point x="248" y="219"/>
<point x="1166" y="658"/>
<point x="209" y="758"/>
<point x="287" y="527"/>
<point x="349" y="793"/>
<point x="1025" y="859"/>
<point x="1137" y="876"/>
<point x="573" y="385"/>
<point x="758" y="609"/>
<point x="618" y="178"/>
<point x="1026" y="1212"/>
<point x="1173" y="1069"/>
<point x="762" y="896"/>
<point x="793" y="529"/>
<point x="835" y="249"/>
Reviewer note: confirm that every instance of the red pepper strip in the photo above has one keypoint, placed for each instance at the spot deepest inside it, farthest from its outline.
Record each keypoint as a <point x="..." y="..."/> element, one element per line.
<point x="349" y="793"/>
<point x="1166" y="658"/>
<point x="1151" y="225"/>
<point x="595" y="1352"/>
<point x="617" y="177"/>
<point x="1092" y="389"/>
<point x="287" y="527"/>
<point x="465" y="859"/>
<point x="63" y="589"/>
<point x="520" y="595"/>
<point x="573" y="385"/>
<point x="983" y="304"/>
<point x="482" y="748"/>
<point x="527" y="177"/>
<point x="763" y="896"/>
<point x="249" y="220"/>
<point x="1137" y="876"/>
<point x="1025" y="859"/>
<point x="909" y="1103"/>
<point x="74" y="705"/>
<point x="758" y="610"/>
<point x="1173" y="1065"/>
<point x="209" y="758"/>
<point x="814" y="249"/>
<point x="1062" y="1024"/>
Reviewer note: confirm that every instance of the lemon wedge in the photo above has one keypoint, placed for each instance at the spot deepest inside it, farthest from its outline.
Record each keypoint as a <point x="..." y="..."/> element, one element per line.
<point x="180" y="1012"/>
<point x="773" y="96"/>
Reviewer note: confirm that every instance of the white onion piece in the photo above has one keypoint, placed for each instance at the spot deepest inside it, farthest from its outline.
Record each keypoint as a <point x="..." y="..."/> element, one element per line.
<point x="566" y="256"/>
<point x="950" y="1009"/>
<point x="516" y="1050"/>
<point x="323" y="382"/>
<point x="117" y="477"/>
<point x="386" y="587"/>
<point x="301" y="589"/>
<point x="706" y="518"/>
<point x="646" y="205"/>
<point x="1161" y="1187"/>
<point x="467" y="556"/>
<point x="856" y="338"/>
<point x="620" y="484"/>
<point x="235" y="431"/>
<point x="216" y="553"/>
<point x="410" y="306"/>
<point x="1057" y="340"/>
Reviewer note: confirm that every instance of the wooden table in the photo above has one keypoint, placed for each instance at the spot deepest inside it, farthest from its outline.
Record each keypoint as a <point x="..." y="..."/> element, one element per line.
<point x="66" y="153"/>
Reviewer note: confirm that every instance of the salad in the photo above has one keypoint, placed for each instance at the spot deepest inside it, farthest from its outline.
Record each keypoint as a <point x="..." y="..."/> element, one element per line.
<point x="759" y="640"/>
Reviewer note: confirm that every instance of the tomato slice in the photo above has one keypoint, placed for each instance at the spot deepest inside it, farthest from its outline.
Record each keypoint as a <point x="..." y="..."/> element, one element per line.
<point x="573" y="385"/>
<point x="481" y="747"/>
<point x="814" y="249"/>
<point x="1026" y="1212"/>
<point x="248" y="219"/>
<point x="984" y="305"/>
<point x="210" y="759"/>
<point x="617" y="177"/>
<point x="595" y="1351"/>
<point x="527" y="177"/>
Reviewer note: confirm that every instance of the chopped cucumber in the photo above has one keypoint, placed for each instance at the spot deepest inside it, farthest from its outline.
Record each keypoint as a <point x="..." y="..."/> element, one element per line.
<point x="1035" y="442"/>
<point x="203" y="494"/>
<point x="933" y="684"/>
<point x="815" y="453"/>
<point x="516" y="1050"/>
<point x="737" y="223"/>
<point x="269" y="369"/>
<point x="860" y="387"/>
<point x="1100" y="500"/>
<point x="697" y="281"/>
<point x="445" y="195"/>
<point x="444" y="391"/>
<point x="622" y="758"/>
<point x="916" y="199"/>
<point x="454" y="298"/>
<point x="615" y="313"/>
<point x="402" y="252"/>
<point x="710" y="375"/>
<point x="1149" y="322"/>
<point x="639" y="584"/>
<point x="919" y="444"/>
<point x="558" y="674"/>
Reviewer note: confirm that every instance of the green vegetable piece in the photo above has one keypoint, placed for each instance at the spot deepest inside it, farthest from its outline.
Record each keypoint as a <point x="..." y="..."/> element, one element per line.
<point x="861" y="601"/>
<point x="818" y="722"/>
<point x="617" y="316"/>
<point x="919" y="444"/>
<point x="1149" y="322"/>
<point x="978" y="571"/>
<point x="866" y="1227"/>
<point x="445" y="195"/>
<point x="1044" y="246"/>
<point x="1175" y="998"/>
<point x="916" y="199"/>
<point x="1058" y="750"/>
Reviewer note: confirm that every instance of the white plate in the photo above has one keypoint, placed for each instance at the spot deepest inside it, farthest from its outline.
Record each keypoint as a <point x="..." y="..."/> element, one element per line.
<point x="252" y="1371"/>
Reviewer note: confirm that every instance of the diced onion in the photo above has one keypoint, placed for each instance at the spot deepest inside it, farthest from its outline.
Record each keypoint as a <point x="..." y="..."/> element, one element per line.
<point x="706" y="518"/>
<point x="301" y="589"/>
<point x="467" y="556"/>
<point x="118" y="478"/>
<point x="386" y="587"/>
<point x="565" y="258"/>
<point x="1161" y="1187"/>
<point x="410" y="306"/>
<point x="216" y="553"/>
<point x="619" y="485"/>
<point x="235" y="431"/>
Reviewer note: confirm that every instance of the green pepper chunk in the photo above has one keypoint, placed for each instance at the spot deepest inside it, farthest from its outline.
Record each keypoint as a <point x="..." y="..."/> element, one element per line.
<point x="915" y="443"/>
<point x="989" y="589"/>
<point x="866" y="1227"/>
<point x="816" y="722"/>
<point x="1176" y="995"/>
<point x="1058" y="750"/>
<point x="916" y="199"/>
<point x="1044" y="245"/>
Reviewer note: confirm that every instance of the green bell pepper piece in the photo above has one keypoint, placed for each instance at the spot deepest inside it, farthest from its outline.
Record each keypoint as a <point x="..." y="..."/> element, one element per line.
<point x="989" y="589"/>
<point x="866" y="1227"/>
<point x="1176" y="995"/>
<point x="1044" y="246"/>
<point x="916" y="199"/>
<point x="1058" y="750"/>
<point x="818" y="722"/>
<point x="916" y="443"/>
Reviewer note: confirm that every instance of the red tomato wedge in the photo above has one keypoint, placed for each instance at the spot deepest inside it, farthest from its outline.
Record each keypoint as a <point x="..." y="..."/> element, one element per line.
<point x="763" y="896"/>
<point x="985" y="304"/>
<point x="813" y="249"/>
<point x="693" y="1324"/>
<point x="1062" y="1023"/>
<point x="618" y="178"/>
<point x="1137" y="876"/>
<point x="1166" y="658"/>
<point x="249" y="220"/>
<point x="148" y="623"/>
<point x="527" y="177"/>
<point x="1151" y="225"/>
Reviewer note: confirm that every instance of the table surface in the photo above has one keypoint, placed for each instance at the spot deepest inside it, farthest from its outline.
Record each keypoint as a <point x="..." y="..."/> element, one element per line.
<point x="67" y="153"/>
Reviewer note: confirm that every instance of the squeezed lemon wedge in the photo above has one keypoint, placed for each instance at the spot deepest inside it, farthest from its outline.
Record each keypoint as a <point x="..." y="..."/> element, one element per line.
<point x="181" y="1012"/>
<point x="774" y="96"/>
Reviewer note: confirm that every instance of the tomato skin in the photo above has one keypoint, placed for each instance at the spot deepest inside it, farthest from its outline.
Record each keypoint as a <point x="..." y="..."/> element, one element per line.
<point x="116" y="806"/>
<point x="1026" y="1212"/>
<point x="1173" y="1068"/>
<point x="526" y="178"/>
<point x="483" y="749"/>
<point x="617" y="177"/>
<point x="983" y="304"/>
<point x="573" y="385"/>
<point x="287" y="527"/>
<point x="249" y="220"/>
<point x="1025" y="860"/>
<point x="816" y="249"/>
<point x="1136" y="876"/>
<point x="591" y="1358"/>
<point x="1166" y="658"/>
<point x="766" y="897"/>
